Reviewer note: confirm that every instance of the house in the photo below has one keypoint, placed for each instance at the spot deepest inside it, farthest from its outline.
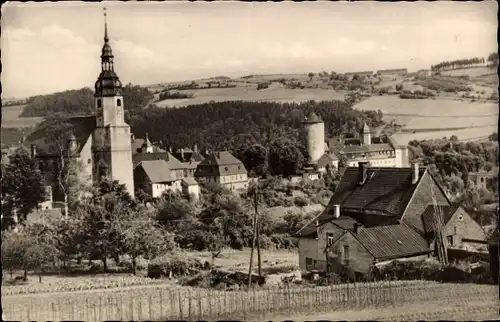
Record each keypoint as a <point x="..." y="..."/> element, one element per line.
<point x="223" y="169"/>
<point x="458" y="227"/>
<point x="390" y="154"/>
<point x="190" y="159"/>
<point x="387" y="72"/>
<point x="484" y="179"/>
<point x="365" y="199"/>
<point x="172" y="162"/>
<point x="190" y="187"/>
<point x="155" y="177"/>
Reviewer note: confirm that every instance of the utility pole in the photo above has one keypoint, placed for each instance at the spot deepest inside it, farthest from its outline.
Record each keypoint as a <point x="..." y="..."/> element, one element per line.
<point x="257" y="228"/>
<point x="254" y="222"/>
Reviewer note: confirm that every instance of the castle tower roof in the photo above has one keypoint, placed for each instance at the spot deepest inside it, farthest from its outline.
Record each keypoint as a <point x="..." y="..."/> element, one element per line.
<point x="312" y="119"/>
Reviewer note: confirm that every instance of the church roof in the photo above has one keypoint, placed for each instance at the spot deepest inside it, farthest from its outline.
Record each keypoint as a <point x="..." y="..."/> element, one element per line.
<point x="43" y="136"/>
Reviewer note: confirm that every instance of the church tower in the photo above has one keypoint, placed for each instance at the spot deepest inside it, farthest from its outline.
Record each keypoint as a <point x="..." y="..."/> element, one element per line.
<point x="111" y="145"/>
<point x="367" y="135"/>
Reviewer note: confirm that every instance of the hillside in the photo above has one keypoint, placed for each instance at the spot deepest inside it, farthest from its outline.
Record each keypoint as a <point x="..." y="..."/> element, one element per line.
<point x="231" y="125"/>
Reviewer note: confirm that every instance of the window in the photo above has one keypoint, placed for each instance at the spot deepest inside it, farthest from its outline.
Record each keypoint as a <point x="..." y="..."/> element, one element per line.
<point x="329" y="239"/>
<point x="450" y="240"/>
<point x="345" y="260"/>
<point x="99" y="103"/>
<point x="482" y="179"/>
<point x="118" y="102"/>
<point x="89" y="161"/>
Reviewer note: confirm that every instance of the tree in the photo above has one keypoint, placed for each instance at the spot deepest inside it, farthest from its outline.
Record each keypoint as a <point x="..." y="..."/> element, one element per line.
<point x="141" y="235"/>
<point x="255" y="159"/>
<point x="70" y="176"/>
<point x="23" y="187"/>
<point x="285" y="157"/>
<point x="311" y="75"/>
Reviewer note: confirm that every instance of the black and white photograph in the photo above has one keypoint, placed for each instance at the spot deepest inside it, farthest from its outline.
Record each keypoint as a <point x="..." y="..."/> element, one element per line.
<point x="249" y="161"/>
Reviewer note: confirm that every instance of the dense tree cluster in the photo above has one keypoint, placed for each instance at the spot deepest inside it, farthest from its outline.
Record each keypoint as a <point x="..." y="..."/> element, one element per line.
<point x="81" y="101"/>
<point x="459" y="63"/>
<point x="235" y="126"/>
<point x="451" y="161"/>
<point x="173" y="95"/>
<point x="493" y="59"/>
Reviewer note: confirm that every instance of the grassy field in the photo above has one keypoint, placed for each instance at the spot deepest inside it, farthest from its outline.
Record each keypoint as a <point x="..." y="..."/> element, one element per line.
<point x="165" y="302"/>
<point x="436" y="118"/>
<point x="471" y="72"/>
<point x="274" y="93"/>
<point x="11" y="119"/>
<point x="273" y="262"/>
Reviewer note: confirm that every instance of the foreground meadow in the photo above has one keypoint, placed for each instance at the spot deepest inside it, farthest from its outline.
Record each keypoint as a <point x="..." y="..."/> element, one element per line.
<point x="162" y="302"/>
<point x="273" y="263"/>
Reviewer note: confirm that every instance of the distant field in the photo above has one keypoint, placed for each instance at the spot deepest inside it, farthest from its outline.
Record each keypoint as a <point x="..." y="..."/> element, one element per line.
<point x="471" y="72"/>
<point x="274" y="93"/>
<point x="11" y="119"/>
<point x="467" y="120"/>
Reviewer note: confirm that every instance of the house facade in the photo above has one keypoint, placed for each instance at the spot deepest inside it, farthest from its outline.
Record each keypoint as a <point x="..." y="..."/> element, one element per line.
<point x="459" y="229"/>
<point x="371" y="203"/>
<point x="155" y="177"/>
<point x="390" y="154"/>
<point x="223" y="169"/>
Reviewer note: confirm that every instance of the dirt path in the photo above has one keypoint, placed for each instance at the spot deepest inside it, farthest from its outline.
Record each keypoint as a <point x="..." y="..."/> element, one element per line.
<point x="478" y="309"/>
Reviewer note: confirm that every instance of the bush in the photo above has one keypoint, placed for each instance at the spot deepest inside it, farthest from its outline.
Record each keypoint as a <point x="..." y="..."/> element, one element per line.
<point x="300" y="201"/>
<point x="179" y="266"/>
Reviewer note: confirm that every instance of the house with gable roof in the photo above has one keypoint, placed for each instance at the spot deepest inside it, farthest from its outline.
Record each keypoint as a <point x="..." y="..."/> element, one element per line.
<point x="156" y="177"/>
<point x="223" y="169"/>
<point x="374" y="215"/>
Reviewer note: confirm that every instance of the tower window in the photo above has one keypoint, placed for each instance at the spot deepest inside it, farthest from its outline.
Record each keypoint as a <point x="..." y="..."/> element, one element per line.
<point x="99" y="103"/>
<point x="119" y="102"/>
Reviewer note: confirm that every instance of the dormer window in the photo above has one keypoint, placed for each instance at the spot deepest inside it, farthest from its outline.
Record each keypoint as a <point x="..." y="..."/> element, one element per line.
<point x="226" y="169"/>
<point x="118" y="102"/>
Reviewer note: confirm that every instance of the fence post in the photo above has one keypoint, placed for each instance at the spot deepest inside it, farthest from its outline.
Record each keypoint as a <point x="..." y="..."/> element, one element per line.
<point x="181" y="306"/>
<point x="189" y="306"/>
<point x="200" y="313"/>
<point x="150" y="304"/>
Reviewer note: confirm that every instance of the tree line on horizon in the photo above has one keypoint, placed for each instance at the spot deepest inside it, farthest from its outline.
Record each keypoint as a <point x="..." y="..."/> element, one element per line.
<point x="492" y="60"/>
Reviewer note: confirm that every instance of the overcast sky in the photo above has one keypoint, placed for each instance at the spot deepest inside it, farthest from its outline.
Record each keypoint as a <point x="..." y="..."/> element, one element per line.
<point x="48" y="47"/>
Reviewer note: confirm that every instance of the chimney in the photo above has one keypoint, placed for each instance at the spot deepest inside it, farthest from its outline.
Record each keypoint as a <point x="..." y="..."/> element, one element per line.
<point x="356" y="227"/>
<point x="195" y="148"/>
<point x="170" y="149"/>
<point x="414" y="173"/>
<point x="363" y="171"/>
<point x="182" y="154"/>
<point x="132" y="136"/>
<point x="33" y="150"/>
<point x="336" y="214"/>
<point x="218" y="154"/>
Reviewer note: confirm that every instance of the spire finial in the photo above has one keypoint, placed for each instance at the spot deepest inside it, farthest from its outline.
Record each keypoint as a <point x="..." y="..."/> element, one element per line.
<point x="106" y="39"/>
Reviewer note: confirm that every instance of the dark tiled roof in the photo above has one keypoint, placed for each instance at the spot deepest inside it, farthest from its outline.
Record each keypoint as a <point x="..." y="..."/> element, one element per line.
<point x="157" y="171"/>
<point x="344" y="222"/>
<point x="220" y="164"/>
<point x="327" y="158"/>
<point x="81" y="126"/>
<point x="309" y="230"/>
<point x="378" y="147"/>
<point x="386" y="189"/>
<point x="430" y="212"/>
<point x="394" y="241"/>
<point x="189" y="156"/>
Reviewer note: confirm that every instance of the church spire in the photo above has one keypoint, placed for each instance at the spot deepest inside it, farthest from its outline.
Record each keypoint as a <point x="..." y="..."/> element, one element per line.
<point x="106" y="39"/>
<point x="108" y="83"/>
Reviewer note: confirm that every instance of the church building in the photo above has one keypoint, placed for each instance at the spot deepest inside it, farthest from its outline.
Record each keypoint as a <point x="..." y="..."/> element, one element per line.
<point x="101" y="142"/>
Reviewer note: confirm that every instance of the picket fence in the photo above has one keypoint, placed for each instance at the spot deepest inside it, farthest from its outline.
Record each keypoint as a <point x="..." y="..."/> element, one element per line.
<point x="157" y="303"/>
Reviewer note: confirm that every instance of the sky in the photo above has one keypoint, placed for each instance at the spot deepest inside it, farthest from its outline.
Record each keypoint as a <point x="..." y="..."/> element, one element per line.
<point x="54" y="46"/>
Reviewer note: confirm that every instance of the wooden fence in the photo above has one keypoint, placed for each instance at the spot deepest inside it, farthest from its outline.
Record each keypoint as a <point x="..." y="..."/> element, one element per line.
<point x="156" y="303"/>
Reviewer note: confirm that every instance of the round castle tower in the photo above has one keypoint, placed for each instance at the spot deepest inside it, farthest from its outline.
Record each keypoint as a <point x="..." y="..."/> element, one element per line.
<point x="314" y="137"/>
